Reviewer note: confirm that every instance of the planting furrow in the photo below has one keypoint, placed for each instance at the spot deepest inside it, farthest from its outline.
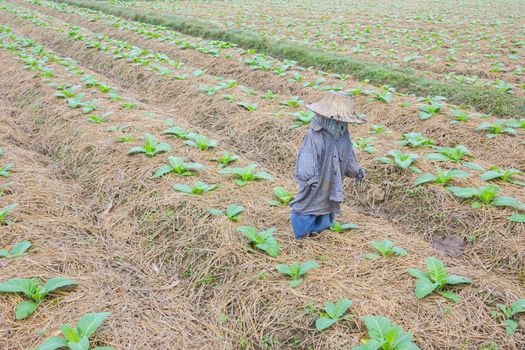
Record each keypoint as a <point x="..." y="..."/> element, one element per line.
<point x="233" y="289"/>
<point x="441" y="214"/>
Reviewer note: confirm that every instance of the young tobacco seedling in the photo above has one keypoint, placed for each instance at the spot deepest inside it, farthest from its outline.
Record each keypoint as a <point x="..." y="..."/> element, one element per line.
<point x="401" y="160"/>
<point x="339" y="227"/>
<point x="225" y="159"/>
<point x="4" y="171"/>
<point x="77" y="338"/>
<point x="507" y="313"/>
<point x="200" y="141"/>
<point x="453" y="154"/>
<point x="460" y="116"/>
<point x="514" y="123"/>
<point x="177" y="131"/>
<point x="385" y="336"/>
<point x="33" y="289"/>
<point x="283" y="196"/>
<point x="497" y="128"/>
<point x="198" y="188"/>
<point x="296" y="271"/>
<point x="263" y="240"/>
<point x="496" y="173"/>
<point x="517" y="218"/>
<point x="363" y="143"/>
<point x="98" y="119"/>
<point x="332" y="313"/>
<point x="415" y="140"/>
<point x="5" y="212"/>
<point x="386" y="248"/>
<point x="269" y="95"/>
<point x="151" y="147"/>
<point x="427" y="111"/>
<point x="377" y="129"/>
<point x="436" y="279"/>
<point x="176" y="165"/>
<point x="385" y="97"/>
<point x="246" y="174"/>
<point x="486" y="195"/>
<point x="18" y="249"/>
<point x="302" y="118"/>
<point x="293" y="102"/>
<point x="233" y="212"/>
<point x="443" y="177"/>
<point x="248" y="106"/>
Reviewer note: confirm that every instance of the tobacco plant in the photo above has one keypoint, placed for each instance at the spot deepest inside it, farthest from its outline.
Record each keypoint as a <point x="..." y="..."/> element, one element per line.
<point x="401" y="160"/>
<point x="385" y="248"/>
<point x="453" y="154"/>
<point x="297" y="271"/>
<point x="428" y="111"/>
<point x="177" y="165"/>
<point x="248" y="106"/>
<point x="364" y="144"/>
<point x="283" y="196"/>
<point x="198" y="188"/>
<point x="383" y="335"/>
<point x="377" y="129"/>
<point x="34" y="290"/>
<point x="293" y="102"/>
<point x="263" y="240"/>
<point x="496" y="173"/>
<point x="514" y="123"/>
<point x="339" y="227"/>
<point x="77" y="338"/>
<point x="4" y="213"/>
<point x="246" y="174"/>
<point x="151" y="147"/>
<point x="436" y="279"/>
<point x="415" y="140"/>
<point x="443" y="177"/>
<point x="302" y="118"/>
<point x="178" y="131"/>
<point x="200" y="141"/>
<point x="332" y="313"/>
<point x="4" y="171"/>
<point x="460" y="116"/>
<point x="225" y="158"/>
<point x="497" y="128"/>
<point x="18" y="249"/>
<point x="507" y="314"/>
<point x="233" y="212"/>
<point x="486" y="195"/>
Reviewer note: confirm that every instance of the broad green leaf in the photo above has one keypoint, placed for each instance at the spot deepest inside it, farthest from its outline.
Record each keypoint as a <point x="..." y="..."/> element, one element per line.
<point x="53" y="344"/>
<point x="20" y="248"/>
<point x="25" y="308"/>
<point x="4" y="253"/>
<point x="517" y="307"/>
<point x="417" y="273"/>
<point x="371" y="256"/>
<point x="436" y="270"/>
<point x="296" y="283"/>
<point x="517" y="218"/>
<point x="510" y="326"/>
<point x="284" y="269"/>
<point x="450" y="295"/>
<point x="89" y="323"/>
<point x="307" y="266"/>
<point x="473" y="166"/>
<point x="377" y="326"/>
<point x="324" y="322"/>
<point x="83" y="344"/>
<point x="338" y="309"/>
<point x="58" y="282"/>
<point x="216" y="212"/>
<point x="424" y="287"/>
<point x="371" y="344"/>
<point x="427" y="177"/>
<point x="70" y="333"/>
<point x="19" y="285"/>
<point x="504" y="201"/>
<point x="463" y="192"/>
<point x="455" y="279"/>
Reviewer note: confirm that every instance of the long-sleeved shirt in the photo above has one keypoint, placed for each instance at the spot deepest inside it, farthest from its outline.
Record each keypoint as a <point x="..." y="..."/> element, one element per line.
<point x="322" y="163"/>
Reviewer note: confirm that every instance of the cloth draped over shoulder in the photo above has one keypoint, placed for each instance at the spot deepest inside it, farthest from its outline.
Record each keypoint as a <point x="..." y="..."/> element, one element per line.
<point x="325" y="158"/>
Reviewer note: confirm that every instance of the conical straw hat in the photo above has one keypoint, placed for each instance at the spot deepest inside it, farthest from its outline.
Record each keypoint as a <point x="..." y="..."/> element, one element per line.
<point x="338" y="106"/>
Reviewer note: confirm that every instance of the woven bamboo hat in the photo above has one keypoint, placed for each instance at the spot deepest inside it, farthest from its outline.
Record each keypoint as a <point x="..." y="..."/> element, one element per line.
<point x="338" y="106"/>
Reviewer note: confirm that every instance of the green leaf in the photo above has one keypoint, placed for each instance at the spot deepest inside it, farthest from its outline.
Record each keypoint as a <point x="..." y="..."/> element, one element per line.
<point x="504" y="201"/>
<point x="436" y="270"/>
<point x="450" y="295"/>
<point x="324" y="322"/>
<point x="463" y="192"/>
<point x="70" y="333"/>
<point x="437" y="157"/>
<point x="20" y="248"/>
<point x="517" y="218"/>
<point x="424" y="287"/>
<point x="338" y="309"/>
<point x="53" y="344"/>
<point x="517" y="307"/>
<point x="58" y="282"/>
<point x="296" y="283"/>
<point x="473" y="166"/>
<point x="427" y="177"/>
<point x="490" y="175"/>
<point x="183" y="188"/>
<point x="417" y="273"/>
<point x="307" y="266"/>
<point x="19" y="285"/>
<point x="455" y="279"/>
<point x="89" y="323"/>
<point x="216" y="212"/>
<point x="25" y="308"/>
<point x="510" y="326"/>
<point x="371" y="256"/>
<point x="83" y="344"/>
<point x="377" y="326"/>
<point x="284" y="269"/>
<point x="4" y="253"/>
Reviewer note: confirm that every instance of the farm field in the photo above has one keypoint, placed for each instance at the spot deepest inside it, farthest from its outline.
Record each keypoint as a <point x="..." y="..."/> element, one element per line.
<point x="150" y="170"/>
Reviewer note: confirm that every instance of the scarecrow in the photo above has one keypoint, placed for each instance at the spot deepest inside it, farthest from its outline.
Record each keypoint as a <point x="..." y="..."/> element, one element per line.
<point x="325" y="158"/>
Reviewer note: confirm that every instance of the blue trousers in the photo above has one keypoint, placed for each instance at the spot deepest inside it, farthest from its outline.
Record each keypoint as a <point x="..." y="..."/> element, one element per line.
<point x="304" y="225"/>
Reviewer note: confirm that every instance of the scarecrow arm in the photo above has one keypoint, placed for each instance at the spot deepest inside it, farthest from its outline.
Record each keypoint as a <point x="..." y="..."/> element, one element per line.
<point x="307" y="168"/>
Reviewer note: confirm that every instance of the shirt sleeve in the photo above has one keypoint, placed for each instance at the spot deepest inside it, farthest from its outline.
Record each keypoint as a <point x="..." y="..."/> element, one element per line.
<point x="352" y="165"/>
<point x="306" y="167"/>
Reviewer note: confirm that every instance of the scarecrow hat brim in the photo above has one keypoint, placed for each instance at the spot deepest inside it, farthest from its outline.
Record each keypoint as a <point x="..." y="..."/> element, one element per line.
<point x="337" y="106"/>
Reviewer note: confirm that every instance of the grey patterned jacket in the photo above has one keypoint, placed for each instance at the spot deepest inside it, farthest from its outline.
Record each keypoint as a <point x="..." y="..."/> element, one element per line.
<point x="322" y="163"/>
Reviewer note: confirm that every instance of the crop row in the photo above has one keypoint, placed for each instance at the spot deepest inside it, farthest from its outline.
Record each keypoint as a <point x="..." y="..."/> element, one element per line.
<point x="260" y="239"/>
